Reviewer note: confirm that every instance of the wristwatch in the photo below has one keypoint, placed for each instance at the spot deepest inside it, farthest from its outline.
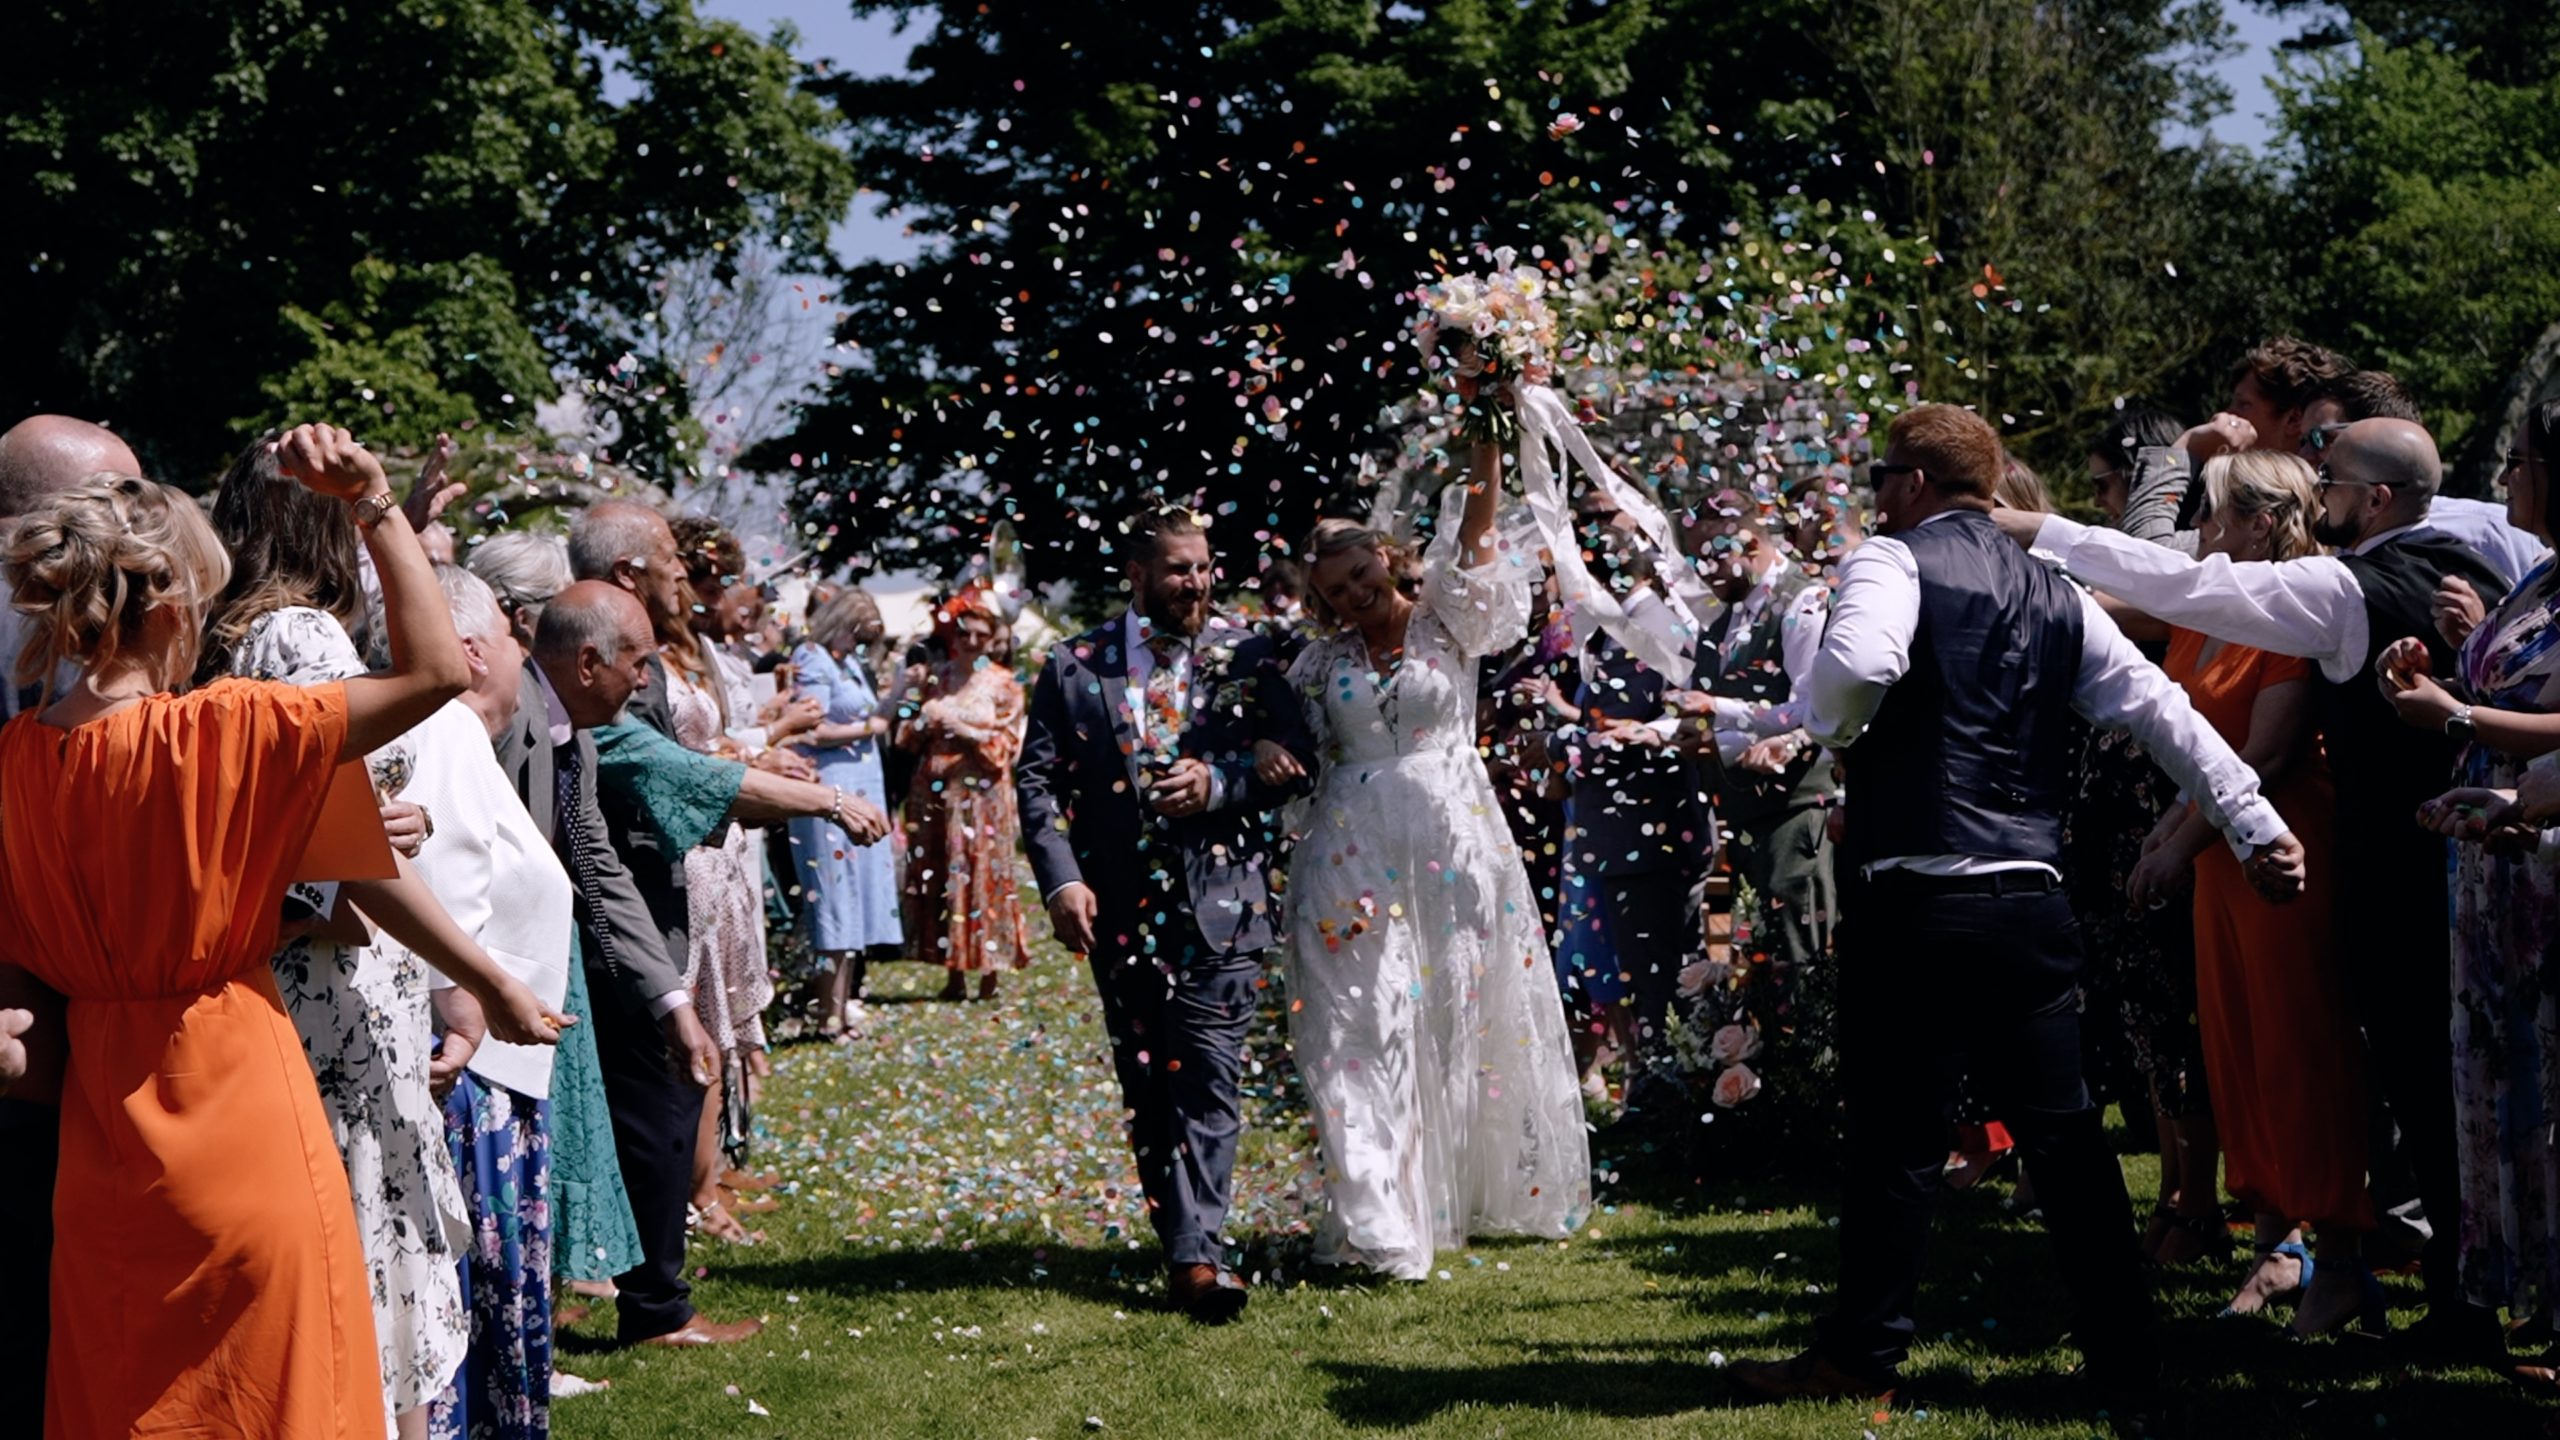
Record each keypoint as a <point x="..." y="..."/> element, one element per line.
<point x="2458" y="724"/>
<point x="371" y="509"/>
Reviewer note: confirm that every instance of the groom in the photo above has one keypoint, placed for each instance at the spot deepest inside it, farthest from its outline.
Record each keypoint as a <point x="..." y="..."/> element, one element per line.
<point x="1153" y="844"/>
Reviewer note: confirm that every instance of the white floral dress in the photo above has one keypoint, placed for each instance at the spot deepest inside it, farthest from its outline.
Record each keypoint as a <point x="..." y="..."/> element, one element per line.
<point x="368" y="1031"/>
<point x="1427" y="1025"/>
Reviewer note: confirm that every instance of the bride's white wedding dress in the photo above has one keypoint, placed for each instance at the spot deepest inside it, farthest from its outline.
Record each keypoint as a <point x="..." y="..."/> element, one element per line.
<point x="1424" y="1017"/>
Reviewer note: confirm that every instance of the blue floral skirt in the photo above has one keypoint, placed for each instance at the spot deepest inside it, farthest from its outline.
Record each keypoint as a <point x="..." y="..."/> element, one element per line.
<point x="501" y="1143"/>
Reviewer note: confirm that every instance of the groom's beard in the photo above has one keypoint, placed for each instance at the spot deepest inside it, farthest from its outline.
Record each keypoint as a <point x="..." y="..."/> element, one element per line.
<point x="1181" y="615"/>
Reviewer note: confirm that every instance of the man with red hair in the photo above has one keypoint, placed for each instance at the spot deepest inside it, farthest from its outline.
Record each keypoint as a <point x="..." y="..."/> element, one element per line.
<point x="1948" y="677"/>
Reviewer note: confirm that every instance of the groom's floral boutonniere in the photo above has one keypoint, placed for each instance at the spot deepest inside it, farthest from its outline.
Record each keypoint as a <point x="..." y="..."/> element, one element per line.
<point x="1216" y="660"/>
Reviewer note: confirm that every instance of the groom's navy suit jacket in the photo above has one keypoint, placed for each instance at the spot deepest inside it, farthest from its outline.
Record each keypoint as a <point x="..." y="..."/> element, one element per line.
<point x="1082" y="794"/>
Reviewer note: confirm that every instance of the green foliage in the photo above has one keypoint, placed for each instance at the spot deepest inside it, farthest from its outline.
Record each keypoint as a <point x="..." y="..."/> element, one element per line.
<point x="2437" y="199"/>
<point x="1181" y="245"/>
<point x="230" y="215"/>
<point x="1187" y="273"/>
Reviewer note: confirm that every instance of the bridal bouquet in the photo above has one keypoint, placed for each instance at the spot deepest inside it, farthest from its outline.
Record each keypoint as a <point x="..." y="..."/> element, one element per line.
<point x="1496" y="330"/>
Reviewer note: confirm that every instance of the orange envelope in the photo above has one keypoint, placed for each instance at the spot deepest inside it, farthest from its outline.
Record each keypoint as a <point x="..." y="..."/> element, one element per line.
<point x="348" y="844"/>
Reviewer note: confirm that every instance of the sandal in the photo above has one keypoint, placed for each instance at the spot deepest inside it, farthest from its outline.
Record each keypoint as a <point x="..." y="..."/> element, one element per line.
<point x="715" y="1221"/>
<point x="2301" y="1282"/>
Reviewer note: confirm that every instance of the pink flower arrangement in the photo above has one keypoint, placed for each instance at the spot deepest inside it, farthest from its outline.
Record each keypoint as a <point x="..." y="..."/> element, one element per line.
<point x="1735" y="1085"/>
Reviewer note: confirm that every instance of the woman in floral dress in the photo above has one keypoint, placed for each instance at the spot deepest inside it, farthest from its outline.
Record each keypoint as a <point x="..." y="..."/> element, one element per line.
<point x="963" y="905"/>
<point x="2506" y="1007"/>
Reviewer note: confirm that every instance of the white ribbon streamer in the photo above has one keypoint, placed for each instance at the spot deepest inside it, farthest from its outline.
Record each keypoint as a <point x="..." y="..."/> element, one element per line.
<point x="1661" y="632"/>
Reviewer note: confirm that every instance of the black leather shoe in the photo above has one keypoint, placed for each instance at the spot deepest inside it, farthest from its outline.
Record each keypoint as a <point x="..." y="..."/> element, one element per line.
<point x="1807" y="1376"/>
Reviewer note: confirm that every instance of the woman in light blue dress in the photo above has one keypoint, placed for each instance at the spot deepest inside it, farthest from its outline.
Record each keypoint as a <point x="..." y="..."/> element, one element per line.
<point x="850" y="892"/>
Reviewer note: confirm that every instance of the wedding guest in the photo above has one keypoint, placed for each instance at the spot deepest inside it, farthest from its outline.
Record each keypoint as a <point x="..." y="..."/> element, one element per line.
<point x="724" y="901"/>
<point x="497" y="877"/>
<point x="1948" y="672"/>
<point x="2273" y="387"/>
<point x="1167" y="890"/>
<point x="2344" y="611"/>
<point x="39" y="456"/>
<point x="290" y="612"/>
<point x="2510" y="549"/>
<point x="590" y="1231"/>
<point x="220" y="1275"/>
<point x="525" y="570"/>
<point x="2500" y="702"/>
<point x="2142" y="969"/>
<point x="961" y="906"/>
<point x="590" y="654"/>
<point x="2280" y="1039"/>
<point x="1425" y="1018"/>
<point x="1773" y="785"/>
<point x="1639" y="829"/>
<point x="851" y="891"/>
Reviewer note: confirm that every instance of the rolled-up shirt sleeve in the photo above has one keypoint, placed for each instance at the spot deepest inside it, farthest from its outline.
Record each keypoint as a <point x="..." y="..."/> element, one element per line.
<point x="1867" y="645"/>
<point x="2311" y="607"/>
<point x="2118" y="688"/>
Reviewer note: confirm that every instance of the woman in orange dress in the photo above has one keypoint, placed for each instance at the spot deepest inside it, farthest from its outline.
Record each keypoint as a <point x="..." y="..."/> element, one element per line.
<point x="963" y="901"/>
<point x="209" y="1278"/>
<point x="2285" y="1064"/>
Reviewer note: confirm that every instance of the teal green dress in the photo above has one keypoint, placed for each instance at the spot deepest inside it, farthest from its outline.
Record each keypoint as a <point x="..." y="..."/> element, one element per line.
<point x="594" y="1236"/>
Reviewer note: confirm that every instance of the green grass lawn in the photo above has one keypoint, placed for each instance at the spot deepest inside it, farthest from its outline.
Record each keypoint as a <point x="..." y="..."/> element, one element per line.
<point x="960" y="1253"/>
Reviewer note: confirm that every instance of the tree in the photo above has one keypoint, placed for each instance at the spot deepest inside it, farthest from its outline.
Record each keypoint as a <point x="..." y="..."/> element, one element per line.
<point x="1175" y="249"/>
<point x="407" y="216"/>
<point x="2430" y="203"/>
<point x="2078" y="257"/>
<point x="2505" y="42"/>
<point x="1182" y="267"/>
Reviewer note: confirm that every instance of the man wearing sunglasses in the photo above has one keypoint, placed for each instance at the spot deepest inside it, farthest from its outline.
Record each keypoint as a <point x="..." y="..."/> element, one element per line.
<point x="2378" y="394"/>
<point x="2377" y="480"/>
<point x="1949" y="676"/>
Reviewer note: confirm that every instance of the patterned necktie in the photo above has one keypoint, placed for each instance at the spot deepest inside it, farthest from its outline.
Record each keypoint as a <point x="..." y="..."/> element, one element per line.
<point x="1164" y="693"/>
<point x="569" y="765"/>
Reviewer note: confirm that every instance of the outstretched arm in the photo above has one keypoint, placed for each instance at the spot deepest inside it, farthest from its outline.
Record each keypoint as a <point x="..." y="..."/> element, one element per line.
<point x="427" y="664"/>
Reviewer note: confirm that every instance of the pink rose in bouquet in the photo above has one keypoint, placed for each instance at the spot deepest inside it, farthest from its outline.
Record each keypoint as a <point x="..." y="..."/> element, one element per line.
<point x="1733" y="1044"/>
<point x="1735" y="1085"/>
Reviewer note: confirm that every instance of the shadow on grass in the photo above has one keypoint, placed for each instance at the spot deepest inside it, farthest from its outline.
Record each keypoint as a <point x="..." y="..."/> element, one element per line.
<point x="1111" y="1278"/>
<point x="1622" y="1384"/>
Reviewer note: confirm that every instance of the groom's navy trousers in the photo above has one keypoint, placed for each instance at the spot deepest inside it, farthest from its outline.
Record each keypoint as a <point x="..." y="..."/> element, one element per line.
<point x="1177" y="1021"/>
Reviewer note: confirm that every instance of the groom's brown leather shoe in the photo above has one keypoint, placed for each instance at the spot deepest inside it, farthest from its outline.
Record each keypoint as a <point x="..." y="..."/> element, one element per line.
<point x="1210" y="1294"/>
<point x="1808" y="1376"/>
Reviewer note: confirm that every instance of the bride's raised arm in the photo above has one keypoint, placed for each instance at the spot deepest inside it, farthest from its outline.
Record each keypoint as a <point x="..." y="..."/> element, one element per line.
<point x="1484" y="496"/>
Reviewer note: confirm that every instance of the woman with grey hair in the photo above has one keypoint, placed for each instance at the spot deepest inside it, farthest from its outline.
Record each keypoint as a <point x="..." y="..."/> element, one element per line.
<point x="525" y="570"/>
<point x="850" y="892"/>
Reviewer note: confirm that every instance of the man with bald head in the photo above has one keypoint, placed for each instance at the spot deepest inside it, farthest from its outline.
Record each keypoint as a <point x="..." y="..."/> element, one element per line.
<point x="39" y="456"/>
<point x="588" y="658"/>
<point x="2344" y="610"/>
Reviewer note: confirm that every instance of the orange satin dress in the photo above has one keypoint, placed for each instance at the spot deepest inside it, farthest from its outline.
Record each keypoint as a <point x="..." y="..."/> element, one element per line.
<point x="2283" y="1054"/>
<point x="208" y="1278"/>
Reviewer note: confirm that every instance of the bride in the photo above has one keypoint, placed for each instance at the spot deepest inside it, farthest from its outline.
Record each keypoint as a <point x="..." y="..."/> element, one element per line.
<point x="1425" y="1021"/>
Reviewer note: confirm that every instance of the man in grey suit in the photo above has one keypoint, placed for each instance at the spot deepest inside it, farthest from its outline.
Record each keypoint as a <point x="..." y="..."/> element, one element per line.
<point x="588" y="660"/>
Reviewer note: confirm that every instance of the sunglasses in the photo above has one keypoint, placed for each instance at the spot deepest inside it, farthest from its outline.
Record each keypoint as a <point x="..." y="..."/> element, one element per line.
<point x="2327" y="479"/>
<point x="2321" y="437"/>
<point x="2517" y="460"/>
<point x="1878" y="472"/>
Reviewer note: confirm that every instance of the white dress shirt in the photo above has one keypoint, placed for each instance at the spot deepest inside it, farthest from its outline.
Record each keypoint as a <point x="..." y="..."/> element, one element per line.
<point x="2483" y="527"/>
<point x="1741" y="722"/>
<point x="1874" y="616"/>
<point x="2311" y="606"/>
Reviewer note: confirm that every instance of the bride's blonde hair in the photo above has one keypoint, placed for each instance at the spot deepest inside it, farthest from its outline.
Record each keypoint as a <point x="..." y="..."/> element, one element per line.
<point x="1332" y="536"/>
<point x="87" y="566"/>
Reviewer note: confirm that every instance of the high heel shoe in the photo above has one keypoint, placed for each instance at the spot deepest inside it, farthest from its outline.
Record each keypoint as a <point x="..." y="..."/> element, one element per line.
<point x="2372" y="1314"/>
<point x="2212" y="1238"/>
<point x="2301" y="1285"/>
